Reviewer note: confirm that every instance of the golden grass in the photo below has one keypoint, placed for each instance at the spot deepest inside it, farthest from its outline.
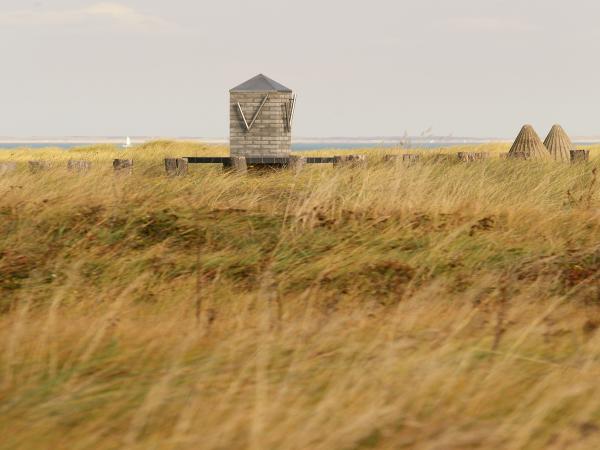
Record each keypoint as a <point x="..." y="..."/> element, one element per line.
<point x="438" y="306"/>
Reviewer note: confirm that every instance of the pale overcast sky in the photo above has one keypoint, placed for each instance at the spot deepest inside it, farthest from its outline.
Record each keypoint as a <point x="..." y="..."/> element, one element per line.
<point x="378" y="67"/>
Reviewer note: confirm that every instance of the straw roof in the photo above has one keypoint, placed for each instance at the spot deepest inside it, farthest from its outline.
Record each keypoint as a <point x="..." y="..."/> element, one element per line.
<point x="528" y="145"/>
<point x="559" y="144"/>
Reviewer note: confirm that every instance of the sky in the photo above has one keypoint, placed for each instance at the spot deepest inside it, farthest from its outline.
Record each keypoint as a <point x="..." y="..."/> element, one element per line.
<point x="479" y="68"/>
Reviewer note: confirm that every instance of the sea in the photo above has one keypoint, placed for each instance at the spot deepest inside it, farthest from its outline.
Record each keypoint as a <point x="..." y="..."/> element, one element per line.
<point x="298" y="146"/>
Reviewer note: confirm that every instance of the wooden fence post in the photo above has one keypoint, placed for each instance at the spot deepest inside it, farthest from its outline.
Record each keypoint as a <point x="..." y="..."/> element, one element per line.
<point x="350" y="161"/>
<point x="296" y="163"/>
<point x="236" y="164"/>
<point x="580" y="156"/>
<point x="78" y="166"/>
<point x="38" y="166"/>
<point x="472" y="156"/>
<point x="176" y="166"/>
<point x="123" y="166"/>
<point x="7" y="167"/>
<point x="411" y="159"/>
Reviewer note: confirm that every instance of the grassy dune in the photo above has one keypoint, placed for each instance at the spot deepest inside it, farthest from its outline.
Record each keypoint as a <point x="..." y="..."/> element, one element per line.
<point x="439" y="306"/>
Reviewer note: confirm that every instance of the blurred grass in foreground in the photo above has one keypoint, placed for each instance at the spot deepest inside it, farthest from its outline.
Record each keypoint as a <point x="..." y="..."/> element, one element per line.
<point x="439" y="306"/>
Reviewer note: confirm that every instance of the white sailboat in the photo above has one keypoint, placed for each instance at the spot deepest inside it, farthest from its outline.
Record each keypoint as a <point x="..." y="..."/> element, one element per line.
<point x="127" y="143"/>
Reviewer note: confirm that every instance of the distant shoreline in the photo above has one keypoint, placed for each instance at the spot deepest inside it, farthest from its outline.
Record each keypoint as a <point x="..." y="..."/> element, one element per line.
<point x="94" y="140"/>
<point x="437" y="141"/>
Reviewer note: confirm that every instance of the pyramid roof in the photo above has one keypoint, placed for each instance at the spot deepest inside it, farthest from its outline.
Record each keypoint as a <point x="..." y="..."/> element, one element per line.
<point x="528" y="145"/>
<point x="559" y="144"/>
<point x="260" y="83"/>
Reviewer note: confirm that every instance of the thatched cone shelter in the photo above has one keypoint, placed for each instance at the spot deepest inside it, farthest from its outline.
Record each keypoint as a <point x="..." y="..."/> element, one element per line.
<point x="528" y="145"/>
<point x="559" y="144"/>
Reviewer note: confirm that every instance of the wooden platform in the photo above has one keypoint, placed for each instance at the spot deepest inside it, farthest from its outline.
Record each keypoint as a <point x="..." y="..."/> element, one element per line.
<point x="254" y="160"/>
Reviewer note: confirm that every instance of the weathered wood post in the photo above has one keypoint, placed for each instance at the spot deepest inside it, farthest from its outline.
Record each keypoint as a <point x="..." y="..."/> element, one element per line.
<point x="7" y="167"/>
<point x="236" y="164"/>
<point x="296" y="163"/>
<point x="38" y="166"/>
<point x="472" y="156"/>
<point x="78" y="166"/>
<point x="580" y="156"/>
<point x="182" y="166"/>
<point x="176" y="166"/>
<point x="171" y="166"/>
<point x="123" y="166"/>
<point x="350" y="161"/>
<point x="411" y="159"/>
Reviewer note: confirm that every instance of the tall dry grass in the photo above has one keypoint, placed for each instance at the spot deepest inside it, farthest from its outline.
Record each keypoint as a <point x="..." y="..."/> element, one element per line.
<point x="438" y="306"/>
